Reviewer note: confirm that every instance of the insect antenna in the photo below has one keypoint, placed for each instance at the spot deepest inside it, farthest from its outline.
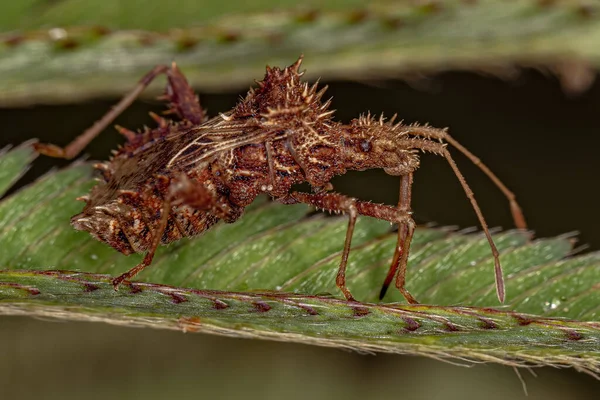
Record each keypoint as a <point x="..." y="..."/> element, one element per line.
<point x="497" y="267"/>
<point x="423" y="141"/>
<point x="515" y="209"/>
<point x="428" y="132"/>
<point x="421" y="138"/>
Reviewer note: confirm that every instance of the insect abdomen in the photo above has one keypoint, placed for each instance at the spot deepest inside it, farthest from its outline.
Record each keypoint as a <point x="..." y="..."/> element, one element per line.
<point x="129" y="229"/>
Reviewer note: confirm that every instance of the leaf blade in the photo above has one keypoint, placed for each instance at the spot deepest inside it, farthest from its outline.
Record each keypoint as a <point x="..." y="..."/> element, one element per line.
<point x="269" y="248"/>
<point x="348" y="39"/>
<point x="436" y="331"/>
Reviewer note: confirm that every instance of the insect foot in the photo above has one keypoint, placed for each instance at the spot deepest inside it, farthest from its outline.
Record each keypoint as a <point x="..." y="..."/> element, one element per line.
<point x="189" y="172"/>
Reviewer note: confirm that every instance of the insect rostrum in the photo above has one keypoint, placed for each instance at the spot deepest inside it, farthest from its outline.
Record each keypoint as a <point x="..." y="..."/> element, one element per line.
<point x="188" y="173"/>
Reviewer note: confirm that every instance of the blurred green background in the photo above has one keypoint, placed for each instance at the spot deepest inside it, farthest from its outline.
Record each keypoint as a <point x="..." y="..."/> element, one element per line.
<point x="543" y="143"/>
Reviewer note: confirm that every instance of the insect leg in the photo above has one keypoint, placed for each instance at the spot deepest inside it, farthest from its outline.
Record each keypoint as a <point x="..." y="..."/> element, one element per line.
<point x="339" y="203"/>
<point x="269" y="150"/>
<point x="156" y="238"/>
<point x="195" y="194"/>
<point x="81" y="141"/>
<point x="404" y="241"/>
<point x="335" y="202"/>
<point x="405" y="233"/>
<point x="340" y="279"/>
<point x="184" y="102"/>
<point x="440" y="149"/>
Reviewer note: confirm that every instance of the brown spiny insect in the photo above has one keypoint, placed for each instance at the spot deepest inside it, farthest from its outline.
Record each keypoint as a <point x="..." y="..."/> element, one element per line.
<point x="184" y="176"/>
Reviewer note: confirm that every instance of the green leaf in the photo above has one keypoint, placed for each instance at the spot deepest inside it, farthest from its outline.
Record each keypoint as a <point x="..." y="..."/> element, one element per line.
<point x="69" y="50"/>
<point x="268" y="276"/>
<point x="13" y="164"/>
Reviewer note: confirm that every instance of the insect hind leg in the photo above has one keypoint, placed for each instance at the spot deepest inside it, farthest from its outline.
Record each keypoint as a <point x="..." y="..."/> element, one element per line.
<point x="183" y="102"/>
<point x="156" y="238"/>
<point x="80" y="142"/>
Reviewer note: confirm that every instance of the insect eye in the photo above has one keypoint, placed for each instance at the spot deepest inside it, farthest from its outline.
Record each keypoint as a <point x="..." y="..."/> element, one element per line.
<point x="365" y="145"/>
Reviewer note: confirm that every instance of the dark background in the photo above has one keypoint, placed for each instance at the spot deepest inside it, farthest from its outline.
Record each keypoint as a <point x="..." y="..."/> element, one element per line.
<point x="541" y="142"/>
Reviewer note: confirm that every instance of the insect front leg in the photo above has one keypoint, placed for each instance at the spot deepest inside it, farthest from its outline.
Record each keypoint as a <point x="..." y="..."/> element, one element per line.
<point x="182" y="99"/>
<point x="339" y="203"/>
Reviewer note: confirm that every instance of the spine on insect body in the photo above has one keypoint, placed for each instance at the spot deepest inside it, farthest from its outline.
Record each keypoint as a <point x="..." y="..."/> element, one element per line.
<point x="301" y="142"/>
<point x="311" y="147"/>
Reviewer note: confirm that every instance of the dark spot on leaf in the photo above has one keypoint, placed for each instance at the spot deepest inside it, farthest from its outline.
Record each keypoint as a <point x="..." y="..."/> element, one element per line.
<point x="573" y="335"/>
<point x="219" y="304"/>
<point x="587" y="11"/>
<point x="487" y="323"/>
<point x="393" y="22"/>
<point x="48" y="273"/>
<point x="261" y="307"/>
<point x="133" y="288"/>
<point x="66" y="44"/>
<point x="186" y="43"/>
<point x="357" y="16"/>
<point x="14" y="40"/>
<point x="521" y="320"/>
<point x="177" y="298"/>
<point x="308" y="309"/>
<point x="28" y="289"/>
<point x="90" y="287"/>
<point x="360" y="311"/>
<point x="411" y="324"/>
<point x="450" y="327"/>
<point x="229" y="37"/>
<point x="100" y="31"/>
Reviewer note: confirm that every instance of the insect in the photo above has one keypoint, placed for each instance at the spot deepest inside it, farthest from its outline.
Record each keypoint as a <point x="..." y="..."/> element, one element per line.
<point x="182" y="177"/>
